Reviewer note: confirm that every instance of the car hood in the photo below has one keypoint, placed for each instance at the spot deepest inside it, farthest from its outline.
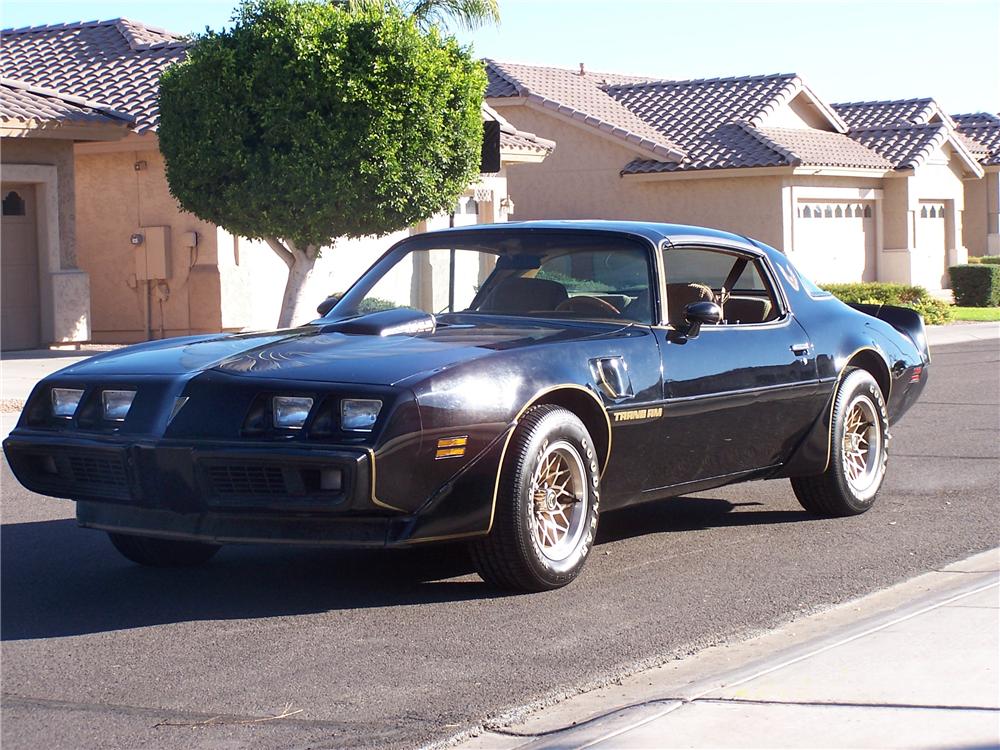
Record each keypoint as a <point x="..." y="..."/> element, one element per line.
<point x="316" y="353"/>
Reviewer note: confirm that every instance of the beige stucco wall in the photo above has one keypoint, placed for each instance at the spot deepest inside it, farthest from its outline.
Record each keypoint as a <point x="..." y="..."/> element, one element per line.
<point x="581" y="180"/>
<point x="980" y="230"/>
<point x="64" y="290"/>
<point x="60" y="154"/>
<point x="115" y="200"/>
<point x="909" y="255"/>
<point x="225" y="283"/>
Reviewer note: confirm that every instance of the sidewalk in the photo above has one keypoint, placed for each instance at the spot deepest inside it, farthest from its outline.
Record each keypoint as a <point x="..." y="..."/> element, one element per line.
<point x="915" y="666"/>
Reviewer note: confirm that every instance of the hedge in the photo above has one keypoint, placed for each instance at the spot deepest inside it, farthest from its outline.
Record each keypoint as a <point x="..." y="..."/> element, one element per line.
<point x="916" y="298"/>
<point x="988" y="259"/>
<point x="976" y="285"/>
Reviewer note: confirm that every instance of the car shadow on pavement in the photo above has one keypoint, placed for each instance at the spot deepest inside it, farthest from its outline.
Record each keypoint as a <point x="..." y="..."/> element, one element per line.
<point x="58" y="580"/>
<point x="688" y="514"/>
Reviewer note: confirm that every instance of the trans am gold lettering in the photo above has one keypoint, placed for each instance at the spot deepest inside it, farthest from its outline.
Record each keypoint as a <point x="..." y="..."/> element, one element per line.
<point x="635" y="415"/>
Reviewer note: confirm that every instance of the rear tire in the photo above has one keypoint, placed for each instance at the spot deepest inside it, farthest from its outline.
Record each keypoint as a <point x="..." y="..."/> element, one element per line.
<point x="162" y="553"/>
<point x="547" y="505"/>
<point x="859" y="436"/>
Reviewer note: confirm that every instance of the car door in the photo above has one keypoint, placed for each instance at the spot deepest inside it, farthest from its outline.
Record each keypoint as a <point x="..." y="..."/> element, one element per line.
<point x="738" y="395"/>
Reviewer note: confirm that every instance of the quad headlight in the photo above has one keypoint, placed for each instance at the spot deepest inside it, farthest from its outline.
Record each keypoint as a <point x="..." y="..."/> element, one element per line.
<point x="115" y="404"/>
<point x="291" y="412"/>
<point x="359" y="414"/>
<point x="65" y="401"/>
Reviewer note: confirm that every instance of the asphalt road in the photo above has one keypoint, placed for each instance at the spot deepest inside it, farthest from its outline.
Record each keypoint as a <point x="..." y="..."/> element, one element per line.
<point x="380" y="649"/>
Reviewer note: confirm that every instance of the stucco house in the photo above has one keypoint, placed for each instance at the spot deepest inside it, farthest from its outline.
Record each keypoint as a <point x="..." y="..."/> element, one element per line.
<point x="765" y="156"/>
<point x="46" y="294"/>
<point x="982" y="197"/>
<point x="153" y="269"/>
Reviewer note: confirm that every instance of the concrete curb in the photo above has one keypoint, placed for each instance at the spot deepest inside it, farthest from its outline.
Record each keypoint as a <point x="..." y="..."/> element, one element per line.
<point x="612" y="712"/>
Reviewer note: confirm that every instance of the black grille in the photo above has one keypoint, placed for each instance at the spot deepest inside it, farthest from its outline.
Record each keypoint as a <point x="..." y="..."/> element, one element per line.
<point x="96" y="472"/>
<point x="242" y="480"/>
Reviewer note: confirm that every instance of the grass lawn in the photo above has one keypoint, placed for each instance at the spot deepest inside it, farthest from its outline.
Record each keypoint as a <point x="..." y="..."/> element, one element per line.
<point x="976" y="313"/>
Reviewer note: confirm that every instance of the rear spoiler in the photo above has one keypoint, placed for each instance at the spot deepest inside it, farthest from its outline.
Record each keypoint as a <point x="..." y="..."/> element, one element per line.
<point x="903" y="319"/>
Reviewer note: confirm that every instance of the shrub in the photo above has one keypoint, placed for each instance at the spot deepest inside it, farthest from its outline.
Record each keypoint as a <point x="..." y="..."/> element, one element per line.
<point x="993" y="260"/>
<point x="917" y="298"/>
<point x="976" y="285"/>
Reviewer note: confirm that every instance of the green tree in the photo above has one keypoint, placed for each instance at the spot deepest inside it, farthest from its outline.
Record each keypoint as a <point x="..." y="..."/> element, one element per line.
<point x="468" y="14"/>
<point x="308" y="121"/>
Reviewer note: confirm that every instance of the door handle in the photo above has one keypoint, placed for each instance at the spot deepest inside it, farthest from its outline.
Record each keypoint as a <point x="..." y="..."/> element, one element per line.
<point x="801" y="350"/>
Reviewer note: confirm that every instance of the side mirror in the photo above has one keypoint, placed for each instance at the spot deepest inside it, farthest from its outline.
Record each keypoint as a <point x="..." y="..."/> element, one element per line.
<point x="701" y="313"/>
<point x="326" y="305"/>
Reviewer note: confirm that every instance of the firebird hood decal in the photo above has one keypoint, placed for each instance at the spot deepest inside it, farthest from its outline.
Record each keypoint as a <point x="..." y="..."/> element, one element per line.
<point x="310" y="354"/>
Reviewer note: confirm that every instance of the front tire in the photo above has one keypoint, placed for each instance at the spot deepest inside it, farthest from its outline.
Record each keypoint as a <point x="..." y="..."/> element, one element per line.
<point x="859" y="437"/>
<point x="547" y="506"/>
<point x="162" y="553"/>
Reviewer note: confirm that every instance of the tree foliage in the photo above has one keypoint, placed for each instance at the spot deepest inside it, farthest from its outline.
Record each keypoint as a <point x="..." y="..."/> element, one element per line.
<point x="309" y="121"/>
<point x="468" y="14"/>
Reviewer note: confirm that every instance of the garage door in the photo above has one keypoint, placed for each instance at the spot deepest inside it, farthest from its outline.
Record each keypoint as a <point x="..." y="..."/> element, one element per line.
<point x="19" y="308"/>
<point x="930" y="258"/>
<point x="835" y="241"/>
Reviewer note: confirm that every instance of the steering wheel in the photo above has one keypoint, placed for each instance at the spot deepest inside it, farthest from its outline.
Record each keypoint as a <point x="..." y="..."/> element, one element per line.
<point x="586" y="303"/>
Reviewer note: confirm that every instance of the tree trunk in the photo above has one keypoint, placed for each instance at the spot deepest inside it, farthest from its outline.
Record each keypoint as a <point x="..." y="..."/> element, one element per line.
<point x="297" y="306"/>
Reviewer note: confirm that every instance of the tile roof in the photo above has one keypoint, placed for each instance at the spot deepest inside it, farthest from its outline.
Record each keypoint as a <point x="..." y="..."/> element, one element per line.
<point x="977" y="118"/>
<point x="898" y="129"/>
<point x="580" y="97"/>
<point x="905" y="146"/>
<point x="117" y="62"/>
<point x="716" y="123"/>
<point x="23" y="104"/>
<point x="514" y="140"/>
<point x="821" y="148"/>
<point x="877" y="114"/>
<point x="984" y="134"/>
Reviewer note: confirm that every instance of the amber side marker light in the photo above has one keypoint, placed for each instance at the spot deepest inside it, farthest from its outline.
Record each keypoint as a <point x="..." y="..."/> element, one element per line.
<point x="452" y="447"/>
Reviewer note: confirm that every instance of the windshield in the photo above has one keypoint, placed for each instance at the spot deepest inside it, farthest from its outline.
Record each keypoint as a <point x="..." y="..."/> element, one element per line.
<point x="559" y="274"/>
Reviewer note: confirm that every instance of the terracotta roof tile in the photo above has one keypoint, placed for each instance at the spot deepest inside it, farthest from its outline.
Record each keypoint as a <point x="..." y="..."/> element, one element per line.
<point x="905" y="146"/>
<point x="706" y="117"/>
<point x="820" y="148"/>
<point x="117" y="62"/>
<point x="512" y="139"/>
<point x="977" y="118"/>
<point x="582" y="98"/>
<point x="878" y="114"/>
<point x="984" y="134"/>
<point x="21" y="103"/>
<point x="714" y="122"/>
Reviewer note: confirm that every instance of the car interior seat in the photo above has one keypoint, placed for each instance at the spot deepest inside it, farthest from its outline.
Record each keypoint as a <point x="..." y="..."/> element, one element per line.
<point x="680" y="296"/>
<point x="519" y="294"/>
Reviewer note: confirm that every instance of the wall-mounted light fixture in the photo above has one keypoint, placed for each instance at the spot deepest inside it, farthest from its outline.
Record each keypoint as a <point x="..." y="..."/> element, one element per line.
<point x="139" y="166"/>
<point x="136" y="239"/>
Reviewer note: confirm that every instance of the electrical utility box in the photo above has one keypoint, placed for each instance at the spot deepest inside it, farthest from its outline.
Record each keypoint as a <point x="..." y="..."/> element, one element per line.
<point x="152" y="256"/>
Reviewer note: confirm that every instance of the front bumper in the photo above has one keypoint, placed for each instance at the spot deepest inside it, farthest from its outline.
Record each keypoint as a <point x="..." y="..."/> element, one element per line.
<point x="213" y="492"/>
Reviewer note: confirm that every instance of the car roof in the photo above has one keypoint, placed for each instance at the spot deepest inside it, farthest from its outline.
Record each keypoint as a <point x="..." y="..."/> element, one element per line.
<point x="651" y="230"/>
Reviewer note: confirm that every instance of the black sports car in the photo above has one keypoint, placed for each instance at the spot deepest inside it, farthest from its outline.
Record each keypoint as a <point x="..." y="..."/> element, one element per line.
<point x="501" y="384"/>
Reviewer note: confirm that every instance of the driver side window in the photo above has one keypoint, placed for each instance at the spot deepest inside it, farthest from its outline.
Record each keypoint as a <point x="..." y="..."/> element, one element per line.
<point x="734" y="282"/>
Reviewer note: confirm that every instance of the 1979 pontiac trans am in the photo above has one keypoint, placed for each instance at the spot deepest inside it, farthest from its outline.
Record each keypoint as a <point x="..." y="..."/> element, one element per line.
<point x="499" y="384"/>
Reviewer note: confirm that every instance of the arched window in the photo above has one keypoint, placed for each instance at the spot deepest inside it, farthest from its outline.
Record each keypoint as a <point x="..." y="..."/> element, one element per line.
<point x="868" y="212"/>
<point x="839" y="213"/>
<point x="828" y="213"/>
<point x="807" y="213"/>
<point x="13" y="204"/>
<point x="472" y="206"/>
<point x="923" y="212"/>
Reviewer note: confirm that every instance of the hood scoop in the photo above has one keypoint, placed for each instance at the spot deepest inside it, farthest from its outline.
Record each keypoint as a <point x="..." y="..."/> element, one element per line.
<point x="399" y="321"/>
